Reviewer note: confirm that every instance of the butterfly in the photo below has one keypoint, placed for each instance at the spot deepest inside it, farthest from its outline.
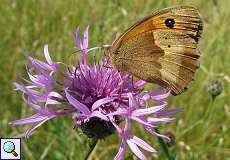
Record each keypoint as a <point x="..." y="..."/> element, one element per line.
<point x="161" y="48"/>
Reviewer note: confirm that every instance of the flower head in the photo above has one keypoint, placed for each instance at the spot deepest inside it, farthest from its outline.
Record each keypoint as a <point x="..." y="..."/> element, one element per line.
<point x="98" y="97"/>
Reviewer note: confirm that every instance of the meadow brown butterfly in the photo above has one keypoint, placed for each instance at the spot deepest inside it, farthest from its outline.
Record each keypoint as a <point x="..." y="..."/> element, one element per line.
<point x="161" y="48"/>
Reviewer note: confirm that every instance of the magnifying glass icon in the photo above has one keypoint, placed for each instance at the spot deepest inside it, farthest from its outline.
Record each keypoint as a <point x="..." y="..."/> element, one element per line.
<point x="9" y="147"/>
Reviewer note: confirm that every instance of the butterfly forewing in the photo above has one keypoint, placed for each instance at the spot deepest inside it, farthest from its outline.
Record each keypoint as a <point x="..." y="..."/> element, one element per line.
<point x="161" y="48"/>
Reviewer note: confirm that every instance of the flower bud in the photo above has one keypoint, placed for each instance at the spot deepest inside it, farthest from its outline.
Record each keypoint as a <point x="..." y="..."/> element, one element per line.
<point x="215" y="88"/>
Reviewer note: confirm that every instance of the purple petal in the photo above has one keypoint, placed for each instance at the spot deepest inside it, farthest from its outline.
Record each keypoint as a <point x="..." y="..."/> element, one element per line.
<point x="142" y="144"/>
<point x="152" y="131"/>
<point x="42" y="110"/>
<point x="162" y="96"/>
<point x="32" y="119"/>
<point x="51" y="98"/>
<point x="136" y="150"/>
<point x="146" y="97"/>
<point x="169" y="112"/>
<point x="47" y="55"/>
<point x="157" y="120"/>
<point x="127" y="126"/>
<point x="41" y="80"/>
<point x="157" y="91"/>
<point x="34" y="106"/>
<point x="85" y="40"/>
<point x="121" y="151"/>
<point x="147" y="111"/>
<point x="33" y="95"/>
<point x="78" y="105"/>
<point x="31" y="86"/>
<point x="102" y="101"/>
<point x="142" y="121"/>
<point x="39" y="65"/>
<point x="99" y="115"/>
<point x="33" y="78"/>
<point x="55" y="94"/>
<point x="118" y="128"/>
<point x="21" y="88"/>
<point x="132" y="101"/>
<point x="140" y="83"/>
<point x="162" y="136"/>
<point x="119" y="112"/>
<point x="78" y="39"/>
<point x="30" y="131"/>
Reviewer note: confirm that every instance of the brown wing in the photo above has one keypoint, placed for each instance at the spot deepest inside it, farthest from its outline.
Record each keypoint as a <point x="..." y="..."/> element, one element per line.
<point x="162" y="52"/>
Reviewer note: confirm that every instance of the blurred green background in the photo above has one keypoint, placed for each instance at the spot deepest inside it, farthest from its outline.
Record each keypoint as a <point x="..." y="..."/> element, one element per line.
<point x="201" y="131"/>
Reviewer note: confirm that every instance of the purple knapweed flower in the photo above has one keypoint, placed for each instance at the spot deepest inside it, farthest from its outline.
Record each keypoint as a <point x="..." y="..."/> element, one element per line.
<point x="99" y="98"/>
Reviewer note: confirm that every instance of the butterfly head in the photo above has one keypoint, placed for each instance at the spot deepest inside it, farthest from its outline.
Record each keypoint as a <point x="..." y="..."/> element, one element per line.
<point x="115" y="58"/>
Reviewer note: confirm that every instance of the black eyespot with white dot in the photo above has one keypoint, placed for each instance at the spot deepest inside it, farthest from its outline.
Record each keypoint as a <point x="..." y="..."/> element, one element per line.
<point x="170" y="22"/>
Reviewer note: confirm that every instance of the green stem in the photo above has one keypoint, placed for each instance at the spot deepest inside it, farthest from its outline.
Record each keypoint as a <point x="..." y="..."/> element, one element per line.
<point x="92" y="144"/>
<point x="164" y="147"/>
<point x="207" y="118"/>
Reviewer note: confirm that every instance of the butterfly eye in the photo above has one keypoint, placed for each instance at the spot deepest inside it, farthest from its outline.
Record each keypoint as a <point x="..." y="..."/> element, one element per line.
<point x="170" y="22"/>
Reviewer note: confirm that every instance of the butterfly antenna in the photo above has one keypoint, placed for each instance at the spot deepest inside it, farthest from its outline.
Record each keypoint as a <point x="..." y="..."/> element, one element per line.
<point x="104" y="47"/>
<point x="97" y="47"/>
